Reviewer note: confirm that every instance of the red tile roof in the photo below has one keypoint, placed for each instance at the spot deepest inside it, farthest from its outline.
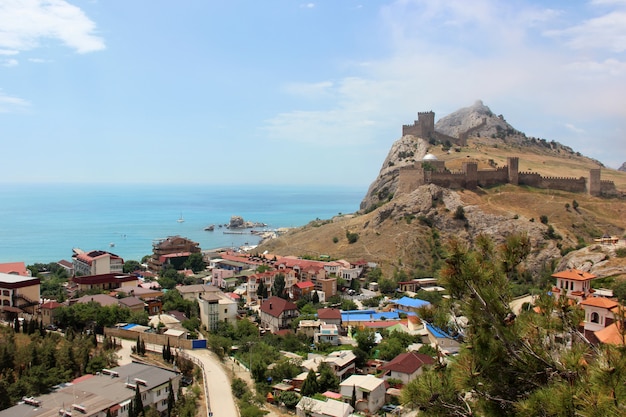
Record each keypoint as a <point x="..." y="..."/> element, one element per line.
<point x="50" y="305"/>
<point x="275" y="306"/>
<point x="407" y="363"/>
<point x="574" y="274"/>
<point x="304" y="284"/>
<point x="329" y="314"/>
<point x="18" y="268"/>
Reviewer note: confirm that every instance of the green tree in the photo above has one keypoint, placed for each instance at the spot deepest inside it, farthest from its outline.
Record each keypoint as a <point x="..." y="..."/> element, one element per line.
<point x="310" y="386"/>
<point x="261" y="290"/>
<point x="328" y="381"/>
<point x="171" y="400"/>
<point x="534" y="364"/>
<point x="289" y="398"/>
<point x="366" y="340"/>
<point x="278" y="287"/>
<point x="132" y="266"/>
<point x="195" y="262"/>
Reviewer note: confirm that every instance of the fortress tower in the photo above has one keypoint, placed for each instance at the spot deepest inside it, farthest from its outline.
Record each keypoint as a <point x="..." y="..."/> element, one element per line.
<point x="594" y="183"/>
<point x="513" y="167"/>
<point x="423" y="127"/>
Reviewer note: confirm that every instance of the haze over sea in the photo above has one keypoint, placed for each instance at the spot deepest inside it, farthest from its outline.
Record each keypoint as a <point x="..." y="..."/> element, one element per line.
<point x="42" y="223"/>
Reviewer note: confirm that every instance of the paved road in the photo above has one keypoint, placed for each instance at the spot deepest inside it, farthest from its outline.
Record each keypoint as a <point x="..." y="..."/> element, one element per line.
<point x="221" y="400"/>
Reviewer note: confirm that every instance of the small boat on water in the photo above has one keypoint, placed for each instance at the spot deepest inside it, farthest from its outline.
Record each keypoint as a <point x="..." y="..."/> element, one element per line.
<point x="180" y="219"/>
<point x="210" y="228"/>
<point x="112" y="244"/>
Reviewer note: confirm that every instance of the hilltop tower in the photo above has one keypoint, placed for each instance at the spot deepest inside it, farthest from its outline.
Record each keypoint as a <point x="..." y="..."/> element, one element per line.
<point x="423" y="127"/>
<point x="513" y="167"/>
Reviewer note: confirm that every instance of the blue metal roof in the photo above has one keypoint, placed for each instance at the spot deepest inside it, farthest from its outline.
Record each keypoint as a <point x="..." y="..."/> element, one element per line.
<point x="373" y="316"/>
<point x="410" y="302"/>
<point x="437" y="332"/>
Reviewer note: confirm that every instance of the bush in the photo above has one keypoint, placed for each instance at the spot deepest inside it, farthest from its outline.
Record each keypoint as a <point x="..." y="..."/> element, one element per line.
<point x="335" y="239"/>
<point x="459" y="213"/>
<point x="544" y="219"/>
<point x="620" y="252"/>
<point x="352" y="237"/>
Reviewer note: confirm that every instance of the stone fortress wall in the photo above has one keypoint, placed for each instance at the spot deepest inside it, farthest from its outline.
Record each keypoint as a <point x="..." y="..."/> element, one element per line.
<point x="433" y="171"/>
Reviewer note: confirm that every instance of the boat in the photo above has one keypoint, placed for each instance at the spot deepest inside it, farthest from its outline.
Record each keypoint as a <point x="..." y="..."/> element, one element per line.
<point x="180" y="219"/>
<point x="210" y="228"/>
<point x="112" y="244"/>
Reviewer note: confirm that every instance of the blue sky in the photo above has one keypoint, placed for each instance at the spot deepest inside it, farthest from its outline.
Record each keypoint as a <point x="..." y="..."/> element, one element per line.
<point x="288" y="92"/>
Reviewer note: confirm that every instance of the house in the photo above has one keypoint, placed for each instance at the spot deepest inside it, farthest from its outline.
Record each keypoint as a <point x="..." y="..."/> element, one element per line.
<point x="48" y="311"/>
<point x="415" y="285"/>
<point x="15" y="268"/>
<point x="108" y="393"/>
<point x="132" y="303"/>
<point x="328" y="333"/>
<point x="409" y="305"/>
<point x="302" y="289"/>
<point x="216" y="307"/>
<point x="598" y="315"/>
<point x="330" y="316"/>
<point x="311" y="407"/>
<point x="342" y="362"/>
<point x="441" y="340"/>
<point x="193" y="292"/>
<point x="368" y="390"/>
<point x="277" y="314"/>
<point x="328" y="286"/>
<point x="97" y="262"/>
<point x="573" y="284"/>
<point x="104" y="282"/>
<point x="309" y="327"/>
<point x="406" y="366"/>
<point x="173" y="250"/>
<point x="67" y="266"/>
<point x="18" y="293"/>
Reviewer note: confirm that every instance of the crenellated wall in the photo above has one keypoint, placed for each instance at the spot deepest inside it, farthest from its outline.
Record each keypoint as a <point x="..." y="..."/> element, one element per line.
<point x="409" y="178"/>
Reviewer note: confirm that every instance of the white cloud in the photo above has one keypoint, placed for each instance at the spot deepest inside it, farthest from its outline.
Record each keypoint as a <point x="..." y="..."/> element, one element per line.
<point x="8" y="103"/>
<point x="25" y="23"/>
<point x="444" y="55"/>
<point x="606" y="32"/>
<point x="574" y="129"/>
<point x="9" y="62"/>
<point x="307" y="5"/>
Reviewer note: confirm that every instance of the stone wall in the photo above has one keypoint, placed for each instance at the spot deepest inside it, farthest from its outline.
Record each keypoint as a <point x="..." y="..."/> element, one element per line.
<point x="153" y="338"/>
<point x="409" y="178"/>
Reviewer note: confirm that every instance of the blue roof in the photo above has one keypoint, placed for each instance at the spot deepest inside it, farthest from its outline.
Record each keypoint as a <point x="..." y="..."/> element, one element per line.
<point x="357" y="312"/>
<point x="437" y="332"/>
<point x="410" y="302"/>
<point x="347" y="318"/>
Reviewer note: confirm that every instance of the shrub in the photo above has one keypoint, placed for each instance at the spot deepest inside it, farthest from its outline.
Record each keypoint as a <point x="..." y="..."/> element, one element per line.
<point x="459" y="213"/>
<point x="335" y="239"/>
<point x="544" y="219"/>
<point x="620" y="252"/>
<point x="352" y="237"/>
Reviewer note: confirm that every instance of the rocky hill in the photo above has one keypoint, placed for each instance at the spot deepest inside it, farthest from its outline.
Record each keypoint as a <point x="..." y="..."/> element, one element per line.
<point x="408" y="230"/>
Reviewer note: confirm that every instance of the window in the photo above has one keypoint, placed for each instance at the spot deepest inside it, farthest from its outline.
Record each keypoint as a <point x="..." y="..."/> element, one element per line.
<point x="595" y="317"/>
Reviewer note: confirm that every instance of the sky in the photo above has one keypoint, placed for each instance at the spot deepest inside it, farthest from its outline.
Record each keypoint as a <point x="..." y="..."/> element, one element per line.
<point x="289" y="92"/>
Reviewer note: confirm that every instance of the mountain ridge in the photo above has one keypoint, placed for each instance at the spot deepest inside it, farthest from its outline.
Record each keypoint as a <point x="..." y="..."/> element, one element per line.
<point x="407" y="229"/>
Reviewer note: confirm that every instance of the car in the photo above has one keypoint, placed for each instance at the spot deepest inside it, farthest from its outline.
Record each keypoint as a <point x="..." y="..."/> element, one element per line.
<point x="389" y="408"/>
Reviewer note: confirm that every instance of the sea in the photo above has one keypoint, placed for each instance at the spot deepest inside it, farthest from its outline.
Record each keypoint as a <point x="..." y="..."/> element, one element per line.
<point x="43" y="223"/>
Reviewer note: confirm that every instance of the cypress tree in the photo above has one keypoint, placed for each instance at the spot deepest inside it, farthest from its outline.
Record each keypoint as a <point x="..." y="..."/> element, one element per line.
<point x="171" y="400"/>
<point x="138" y="402"/>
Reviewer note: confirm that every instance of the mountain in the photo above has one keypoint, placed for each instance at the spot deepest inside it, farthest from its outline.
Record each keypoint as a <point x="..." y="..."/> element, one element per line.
<point x="404" y="222"/>
<point x="622" y="168"/>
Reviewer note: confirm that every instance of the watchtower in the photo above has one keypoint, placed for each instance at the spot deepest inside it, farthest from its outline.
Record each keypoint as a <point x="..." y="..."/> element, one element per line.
<point x="513" y="167"/>
<point x="594" y="186"/>
<point x="426" y="119"/>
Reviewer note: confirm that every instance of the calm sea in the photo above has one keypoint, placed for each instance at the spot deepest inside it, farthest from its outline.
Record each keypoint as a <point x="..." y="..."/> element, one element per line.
<point x="42" y="223"/>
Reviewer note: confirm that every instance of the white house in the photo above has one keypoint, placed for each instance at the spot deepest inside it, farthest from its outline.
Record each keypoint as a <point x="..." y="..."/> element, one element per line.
<point x="310" y="407"/>
<point x="369" y="392"/>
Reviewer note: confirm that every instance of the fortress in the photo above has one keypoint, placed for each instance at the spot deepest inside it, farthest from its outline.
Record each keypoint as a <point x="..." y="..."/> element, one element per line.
<point x="424" y="127"/>
<point x="432" y="171"/>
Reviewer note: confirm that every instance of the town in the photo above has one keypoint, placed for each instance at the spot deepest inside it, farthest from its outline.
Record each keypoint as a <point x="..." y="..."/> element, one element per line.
<point x="324" y="337"/>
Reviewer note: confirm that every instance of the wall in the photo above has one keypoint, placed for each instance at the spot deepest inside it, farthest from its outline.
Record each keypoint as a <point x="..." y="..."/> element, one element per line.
<point x="153" y="338"/>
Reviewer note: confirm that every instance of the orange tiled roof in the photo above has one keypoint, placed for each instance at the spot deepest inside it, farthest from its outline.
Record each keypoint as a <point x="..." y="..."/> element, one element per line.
<point x="14" y="268"/>
<point x="574" y="274"/>
<point x="601" y="302"/>
<point x="610" y="335"/>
